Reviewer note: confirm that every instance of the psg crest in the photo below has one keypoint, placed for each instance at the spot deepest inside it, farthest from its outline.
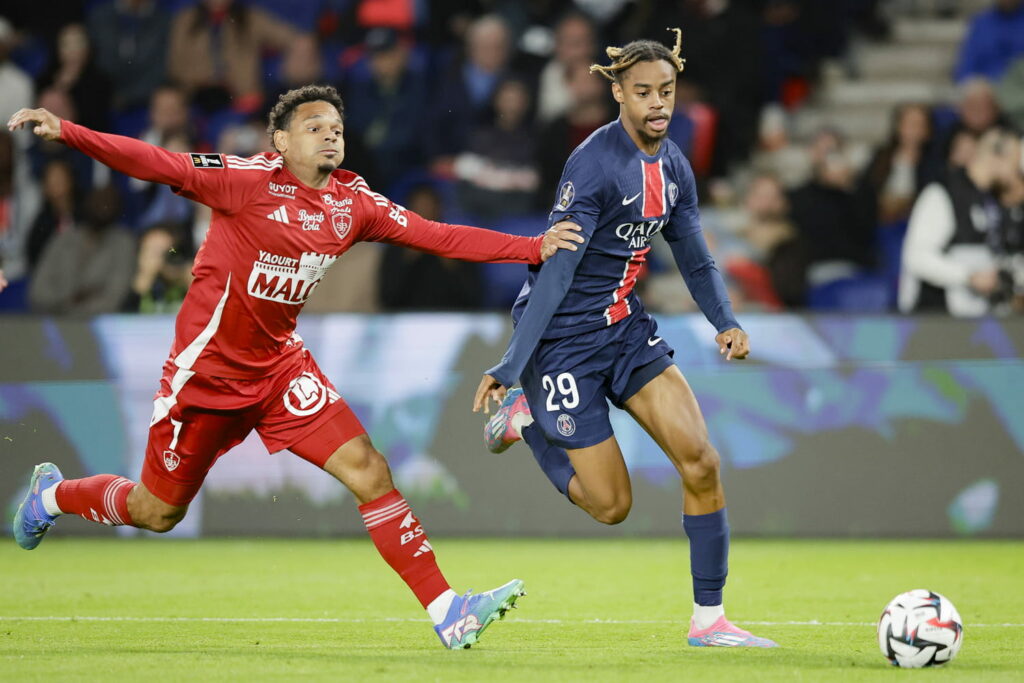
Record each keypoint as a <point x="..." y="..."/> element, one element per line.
<point x="566" y="425"/>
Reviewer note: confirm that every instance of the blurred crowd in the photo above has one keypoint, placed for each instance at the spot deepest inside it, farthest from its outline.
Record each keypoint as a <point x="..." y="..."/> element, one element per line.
<point x="466" y="112"/>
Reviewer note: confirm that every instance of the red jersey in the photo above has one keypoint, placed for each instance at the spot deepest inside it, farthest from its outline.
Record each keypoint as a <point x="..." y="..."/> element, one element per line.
<point x="271" y="240"/>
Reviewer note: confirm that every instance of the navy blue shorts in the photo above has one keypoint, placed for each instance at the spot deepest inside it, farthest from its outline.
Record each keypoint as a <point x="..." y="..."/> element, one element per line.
<point x="569" y="381"/>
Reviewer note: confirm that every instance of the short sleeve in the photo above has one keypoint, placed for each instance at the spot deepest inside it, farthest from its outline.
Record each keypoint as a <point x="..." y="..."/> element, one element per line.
<point x="685" y="218"/>
<point x="581" y="191"/>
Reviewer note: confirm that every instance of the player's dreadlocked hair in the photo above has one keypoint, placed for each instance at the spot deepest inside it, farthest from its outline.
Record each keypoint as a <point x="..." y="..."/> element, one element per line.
<point x="281" y="115"/>
<point x="640" y="51"/>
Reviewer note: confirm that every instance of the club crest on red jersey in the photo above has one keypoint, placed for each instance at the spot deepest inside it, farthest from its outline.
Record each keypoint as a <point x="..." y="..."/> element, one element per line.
<point x="171" y="460"/>
<point x="342" y="223"/>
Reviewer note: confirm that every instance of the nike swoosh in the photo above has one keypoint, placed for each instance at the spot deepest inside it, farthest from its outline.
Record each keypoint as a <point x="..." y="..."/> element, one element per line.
<point x="653" y="340"/>
<point x="627" y="202"/>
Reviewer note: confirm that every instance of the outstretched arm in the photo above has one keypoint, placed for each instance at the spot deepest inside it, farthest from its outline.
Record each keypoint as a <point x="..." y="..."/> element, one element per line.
<point x="127" y="155"/>
<point x="202" y="177"/>
<point x="548" y="292"/>
<point x="407" y="229"/>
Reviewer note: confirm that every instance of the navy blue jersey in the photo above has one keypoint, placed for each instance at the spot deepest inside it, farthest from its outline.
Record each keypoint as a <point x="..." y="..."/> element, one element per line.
<point x="621" y="198"/>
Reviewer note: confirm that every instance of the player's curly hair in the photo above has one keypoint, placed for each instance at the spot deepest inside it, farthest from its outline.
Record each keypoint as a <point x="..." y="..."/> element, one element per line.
<point x="281" y="115"/>
<point x="640" y="51"/>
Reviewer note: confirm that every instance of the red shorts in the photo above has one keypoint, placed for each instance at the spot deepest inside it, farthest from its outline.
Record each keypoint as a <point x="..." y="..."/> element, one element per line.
<point x="197" y="418"/>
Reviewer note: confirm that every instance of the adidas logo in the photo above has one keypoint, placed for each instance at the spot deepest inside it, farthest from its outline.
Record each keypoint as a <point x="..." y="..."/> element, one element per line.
<point x="280" y="215"/>
<point x="423" y="549"/>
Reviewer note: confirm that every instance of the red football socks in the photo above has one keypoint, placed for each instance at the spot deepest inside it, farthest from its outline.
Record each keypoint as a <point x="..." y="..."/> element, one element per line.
<point x="102" y="498"/>
<point x="403" y="544"/>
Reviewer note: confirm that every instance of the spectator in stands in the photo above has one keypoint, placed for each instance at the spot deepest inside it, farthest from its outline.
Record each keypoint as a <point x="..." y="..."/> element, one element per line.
<point x="385" y="97"/>
<point x="834" y="223"/>
<point x="412" y="280"/>
<point x="216" y="50"/>
<point x="1011" y="244"/>
<point x="770" y="232"/>
<point x="87" y="269"/>
<point x="58" y="212"/>
<point x="302" y="65"/>
<point x="575" y="45"/>
<point x="589" y="110"/>
<point x="729" y="79"/>
<point x="19" y="202"/>
<point x="168" y="120"/>
<point x="162" y="205"/>
<point x="902" y="166"/>
<point x="977" y="111"/>
<point x="130" y="42"/>
<point x="73" y="70"/>
<point x="949" y="254"/>
<point x="994" y="38"/>
<point x="163" y="271"/>
<point x="961" y="149"/>
<point x="497" y="173"/>
<point x="463" y="95"/>
<point x="168" y="115"/>
<point x="15" y="84"/>
<point x="1011" y="93"/>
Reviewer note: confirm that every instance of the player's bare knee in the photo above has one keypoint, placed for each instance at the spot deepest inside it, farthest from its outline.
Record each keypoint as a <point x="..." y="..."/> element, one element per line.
<point x="160" y="520"/>
<point x="701" y="466"/>
<point x="613" y="511"/>
<point x="615" y="514"/>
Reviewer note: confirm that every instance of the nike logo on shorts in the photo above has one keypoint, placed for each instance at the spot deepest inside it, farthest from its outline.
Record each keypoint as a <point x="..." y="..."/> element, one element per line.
<point x="653" y="340"/>
<point x="627" y="201"/>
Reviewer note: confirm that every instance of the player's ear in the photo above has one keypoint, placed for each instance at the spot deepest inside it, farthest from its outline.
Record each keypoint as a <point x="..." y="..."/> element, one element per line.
<point x="280" y="140"/>
<point x="617" y="92"/>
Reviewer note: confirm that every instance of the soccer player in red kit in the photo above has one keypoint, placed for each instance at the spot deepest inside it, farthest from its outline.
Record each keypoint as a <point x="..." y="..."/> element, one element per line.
<point x="236" y="364"/>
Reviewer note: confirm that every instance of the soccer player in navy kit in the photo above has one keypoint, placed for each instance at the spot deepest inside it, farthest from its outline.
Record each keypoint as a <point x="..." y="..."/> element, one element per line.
<point x="582" y="336"/>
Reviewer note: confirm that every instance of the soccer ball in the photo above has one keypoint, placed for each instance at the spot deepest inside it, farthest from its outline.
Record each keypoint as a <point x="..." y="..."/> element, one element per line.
<point x="920" y="628"/>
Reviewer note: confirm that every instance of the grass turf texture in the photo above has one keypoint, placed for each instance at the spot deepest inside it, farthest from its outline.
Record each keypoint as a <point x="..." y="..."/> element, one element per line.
<point x="595" y="610"/>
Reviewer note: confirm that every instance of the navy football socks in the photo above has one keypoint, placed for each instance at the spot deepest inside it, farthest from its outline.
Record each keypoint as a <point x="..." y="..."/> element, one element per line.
<point x="709" y="555"/>
<point x="552" y="459"/>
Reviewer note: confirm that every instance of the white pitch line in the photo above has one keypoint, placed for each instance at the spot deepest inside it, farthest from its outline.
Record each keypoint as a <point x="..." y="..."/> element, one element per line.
<point x="334" y="620"/>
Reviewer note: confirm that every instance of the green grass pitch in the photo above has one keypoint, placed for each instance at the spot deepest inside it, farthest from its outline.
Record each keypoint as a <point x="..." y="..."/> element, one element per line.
<point x="596" y="610"/>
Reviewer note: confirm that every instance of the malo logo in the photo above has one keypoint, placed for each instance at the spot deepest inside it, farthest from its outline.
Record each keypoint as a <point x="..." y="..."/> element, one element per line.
<point x="171" y="460"/>
<point x="285" y="279"/>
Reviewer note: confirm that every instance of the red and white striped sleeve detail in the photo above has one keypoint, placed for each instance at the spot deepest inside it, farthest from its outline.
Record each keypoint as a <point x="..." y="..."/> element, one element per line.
<point x="254" y="163"/>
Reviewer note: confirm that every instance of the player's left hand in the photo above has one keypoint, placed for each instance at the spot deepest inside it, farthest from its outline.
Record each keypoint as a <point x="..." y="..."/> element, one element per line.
<point x="489" y="388"/>
<point x="561" y="235"/>
<point x="3" y="281"/>
<point x="733" y="343"/>
<point x="42" y="123"/>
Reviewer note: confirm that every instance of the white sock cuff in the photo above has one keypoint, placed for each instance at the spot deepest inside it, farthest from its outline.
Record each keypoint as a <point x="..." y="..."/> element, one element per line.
<point x="704" y="616"/>
<point x="438" y="607"/>
<point x="49" y="500"/>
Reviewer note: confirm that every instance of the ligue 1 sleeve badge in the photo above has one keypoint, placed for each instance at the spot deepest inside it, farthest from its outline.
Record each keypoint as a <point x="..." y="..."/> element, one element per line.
<point x="565" y="196"/>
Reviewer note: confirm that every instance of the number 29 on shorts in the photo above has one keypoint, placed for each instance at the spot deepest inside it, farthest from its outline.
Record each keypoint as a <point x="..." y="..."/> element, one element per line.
<point x="565" y="385"/>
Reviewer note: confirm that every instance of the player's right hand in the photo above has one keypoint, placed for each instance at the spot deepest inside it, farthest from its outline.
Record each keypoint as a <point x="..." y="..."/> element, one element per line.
<point x="561" y="235"/>
<point x="3" y="280"/>
<point x="47" y="125"/>
<point x="489" y="388"/>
